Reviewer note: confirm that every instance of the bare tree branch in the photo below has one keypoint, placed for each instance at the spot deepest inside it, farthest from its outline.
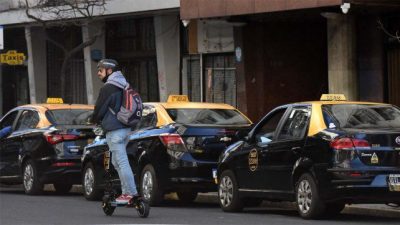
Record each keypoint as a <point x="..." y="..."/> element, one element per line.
<point x="395" y="36"/>
<point x="63" y="13"/>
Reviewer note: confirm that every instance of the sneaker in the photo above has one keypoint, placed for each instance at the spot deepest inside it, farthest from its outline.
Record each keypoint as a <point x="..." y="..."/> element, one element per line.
<point x="123" y="199"/>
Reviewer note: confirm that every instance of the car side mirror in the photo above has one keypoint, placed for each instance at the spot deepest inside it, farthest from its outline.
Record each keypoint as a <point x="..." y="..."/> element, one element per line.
<point x="246" y="138"/>
<point x="5" y="132"/>
<point x="241" y="134"/>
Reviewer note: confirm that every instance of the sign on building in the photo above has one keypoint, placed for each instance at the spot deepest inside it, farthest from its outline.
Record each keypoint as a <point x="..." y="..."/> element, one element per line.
<point x="1" y="38"/>
<point x="12" y="57"/>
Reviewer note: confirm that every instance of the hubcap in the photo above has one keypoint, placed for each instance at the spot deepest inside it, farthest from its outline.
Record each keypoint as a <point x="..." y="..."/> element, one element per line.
<point x="28" y="177"/>
<point x="89" y="181"/>
<point x="147" y="185"/>
<point x="304" y="196"/>
<point x="226" y="191"/>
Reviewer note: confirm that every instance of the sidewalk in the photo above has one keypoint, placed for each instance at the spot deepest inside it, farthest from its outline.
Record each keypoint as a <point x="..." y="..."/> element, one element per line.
<point x="381" y="210"/>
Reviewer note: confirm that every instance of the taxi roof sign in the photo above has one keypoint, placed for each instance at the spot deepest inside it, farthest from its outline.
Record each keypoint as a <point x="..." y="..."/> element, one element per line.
<point x="333" y="97"/>
<point x="178" y="98"/>
<point x="54" y="101"/>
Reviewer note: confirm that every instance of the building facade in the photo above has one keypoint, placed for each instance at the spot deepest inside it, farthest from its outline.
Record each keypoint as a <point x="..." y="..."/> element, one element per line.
<point x="143" y="36"/>
<point x="288" y="51"/>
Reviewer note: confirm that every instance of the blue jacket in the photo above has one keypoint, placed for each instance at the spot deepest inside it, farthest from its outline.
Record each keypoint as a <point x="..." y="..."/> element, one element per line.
<point x="110" y="97"/>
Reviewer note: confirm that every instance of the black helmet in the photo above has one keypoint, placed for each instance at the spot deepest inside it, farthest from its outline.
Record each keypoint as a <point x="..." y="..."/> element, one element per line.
<point x="108" y="64"/>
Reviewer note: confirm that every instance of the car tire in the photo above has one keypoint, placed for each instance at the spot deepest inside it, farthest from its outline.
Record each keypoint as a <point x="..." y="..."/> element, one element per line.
<point x="308" y="203"/>
<point x="30" y="179"/>
<point x="150" y="187"/>
<point x="186" y="196"/>
<point x="90" y="183"/>
<point x="62" y="188"/>
<point x="228" y="193"/>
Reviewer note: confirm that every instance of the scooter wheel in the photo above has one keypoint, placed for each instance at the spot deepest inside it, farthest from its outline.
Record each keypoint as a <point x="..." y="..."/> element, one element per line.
<point x="143" y="209"/>
<point x="108" y="209"/>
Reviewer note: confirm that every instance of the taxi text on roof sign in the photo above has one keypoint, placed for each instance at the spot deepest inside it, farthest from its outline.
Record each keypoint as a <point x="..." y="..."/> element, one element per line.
<point x="12" y="57"/>
<point x="54" y="101"/>
<point x="178" y="98"/>
<point x="333" y="97"/>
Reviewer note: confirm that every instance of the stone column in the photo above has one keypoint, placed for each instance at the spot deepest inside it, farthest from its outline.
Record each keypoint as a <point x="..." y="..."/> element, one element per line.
<point x="93" y="84"/>
<point x="168" y="54"/>
<point x="342" y="72"/>
<point x="100" y="46"/>
<point x="31" y="69"/>
<point x="88" y="65"/>
<point x="39" y="53"/>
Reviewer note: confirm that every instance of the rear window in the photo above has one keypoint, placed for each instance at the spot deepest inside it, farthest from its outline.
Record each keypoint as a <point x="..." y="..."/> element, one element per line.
<point x="361" y="116"/>
<point x="69" y="116"/>
<point x="207" y="116"/>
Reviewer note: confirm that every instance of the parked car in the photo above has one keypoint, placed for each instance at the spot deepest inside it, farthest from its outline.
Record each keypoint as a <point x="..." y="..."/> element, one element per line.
<point x="174" y="149"/>
<point x="321" y="155"/>
<point x="43" y="145"/>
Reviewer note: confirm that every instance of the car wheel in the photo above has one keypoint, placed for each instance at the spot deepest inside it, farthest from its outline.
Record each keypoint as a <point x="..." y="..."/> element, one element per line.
<point x="308" y="203"/>
<point x="228" y="193"/>
<point x="62" y="188"/>
<point x="149" y="186"/>
<point x="89" y="182"/>
<point x="186" y="196"/>
<point x="31" y="183"/>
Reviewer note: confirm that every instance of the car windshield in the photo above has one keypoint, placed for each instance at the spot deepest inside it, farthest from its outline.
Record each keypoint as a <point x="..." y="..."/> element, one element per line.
<point x="361" y="116"/>
<point x="69" y="116"/>
<point x="208" y="116"/>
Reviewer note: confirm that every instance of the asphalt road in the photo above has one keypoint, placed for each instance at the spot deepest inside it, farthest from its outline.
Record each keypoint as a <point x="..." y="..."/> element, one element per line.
<point x="50" y="208"/>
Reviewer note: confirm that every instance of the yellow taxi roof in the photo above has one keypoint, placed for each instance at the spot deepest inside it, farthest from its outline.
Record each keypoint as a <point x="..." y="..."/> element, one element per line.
<point x="194" y="105"/>
<point x="317" y="122"/>
<point x="163" y="118"/>
<point x="59" y="106"/>
<point x="42" y="108"/>
<point x="342" y="102"/>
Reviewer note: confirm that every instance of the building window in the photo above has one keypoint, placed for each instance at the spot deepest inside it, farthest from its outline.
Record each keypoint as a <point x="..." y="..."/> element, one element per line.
<point x="132" y="43"/>
<point x="214" y="81"/>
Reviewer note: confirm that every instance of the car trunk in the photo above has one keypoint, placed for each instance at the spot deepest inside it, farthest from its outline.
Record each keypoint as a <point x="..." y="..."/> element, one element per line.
<point x="207" y="142"/>
<point x="71" y="139"/>
<point x="384" y="147"/>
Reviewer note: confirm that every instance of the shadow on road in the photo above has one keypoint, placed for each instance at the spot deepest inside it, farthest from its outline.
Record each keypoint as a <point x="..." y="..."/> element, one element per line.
<point x="345" y="217"/>
<point x="48" y="190"/>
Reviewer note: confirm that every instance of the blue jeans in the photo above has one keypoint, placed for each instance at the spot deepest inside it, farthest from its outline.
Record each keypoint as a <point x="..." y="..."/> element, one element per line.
<point x="117" y="141"/>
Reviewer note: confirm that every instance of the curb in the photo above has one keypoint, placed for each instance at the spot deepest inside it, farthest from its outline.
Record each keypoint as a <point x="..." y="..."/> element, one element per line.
<point x="374" y="210"/>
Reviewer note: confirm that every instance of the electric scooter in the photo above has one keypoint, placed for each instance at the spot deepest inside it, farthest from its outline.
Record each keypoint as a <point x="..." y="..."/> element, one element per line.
<point x="110" y="194"/>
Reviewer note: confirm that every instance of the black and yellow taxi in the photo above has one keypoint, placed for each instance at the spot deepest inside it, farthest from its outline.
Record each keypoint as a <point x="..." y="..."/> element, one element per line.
<point x="174" y="148"/>
<point x="320" y="155"/>
<point x="43" y="143"/>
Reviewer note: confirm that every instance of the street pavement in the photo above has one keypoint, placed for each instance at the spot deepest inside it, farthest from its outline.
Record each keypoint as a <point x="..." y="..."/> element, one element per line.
<point x="50" y="208"/>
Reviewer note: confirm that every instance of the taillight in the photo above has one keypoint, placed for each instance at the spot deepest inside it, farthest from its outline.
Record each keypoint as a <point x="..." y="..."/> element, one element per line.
<point x="348" y="143"/>
<point x="57" y="138"/>
<point x="361" y="143"/>
<point x="173" y="142"/>
<point x="62" y="164"/>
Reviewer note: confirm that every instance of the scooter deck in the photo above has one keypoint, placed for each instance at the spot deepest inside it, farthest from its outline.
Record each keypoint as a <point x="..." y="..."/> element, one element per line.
<point x="117" y="204"/>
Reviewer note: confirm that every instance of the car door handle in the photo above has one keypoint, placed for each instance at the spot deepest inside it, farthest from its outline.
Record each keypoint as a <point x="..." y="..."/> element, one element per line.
<point x="264" y="152"/>
<point x="296" y="149"/>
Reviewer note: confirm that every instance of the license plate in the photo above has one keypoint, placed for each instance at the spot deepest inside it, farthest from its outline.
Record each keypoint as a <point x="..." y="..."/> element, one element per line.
<point x="214" y="175"/>
<point x="106" y="160"/>
<point x="394" y="182"/>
